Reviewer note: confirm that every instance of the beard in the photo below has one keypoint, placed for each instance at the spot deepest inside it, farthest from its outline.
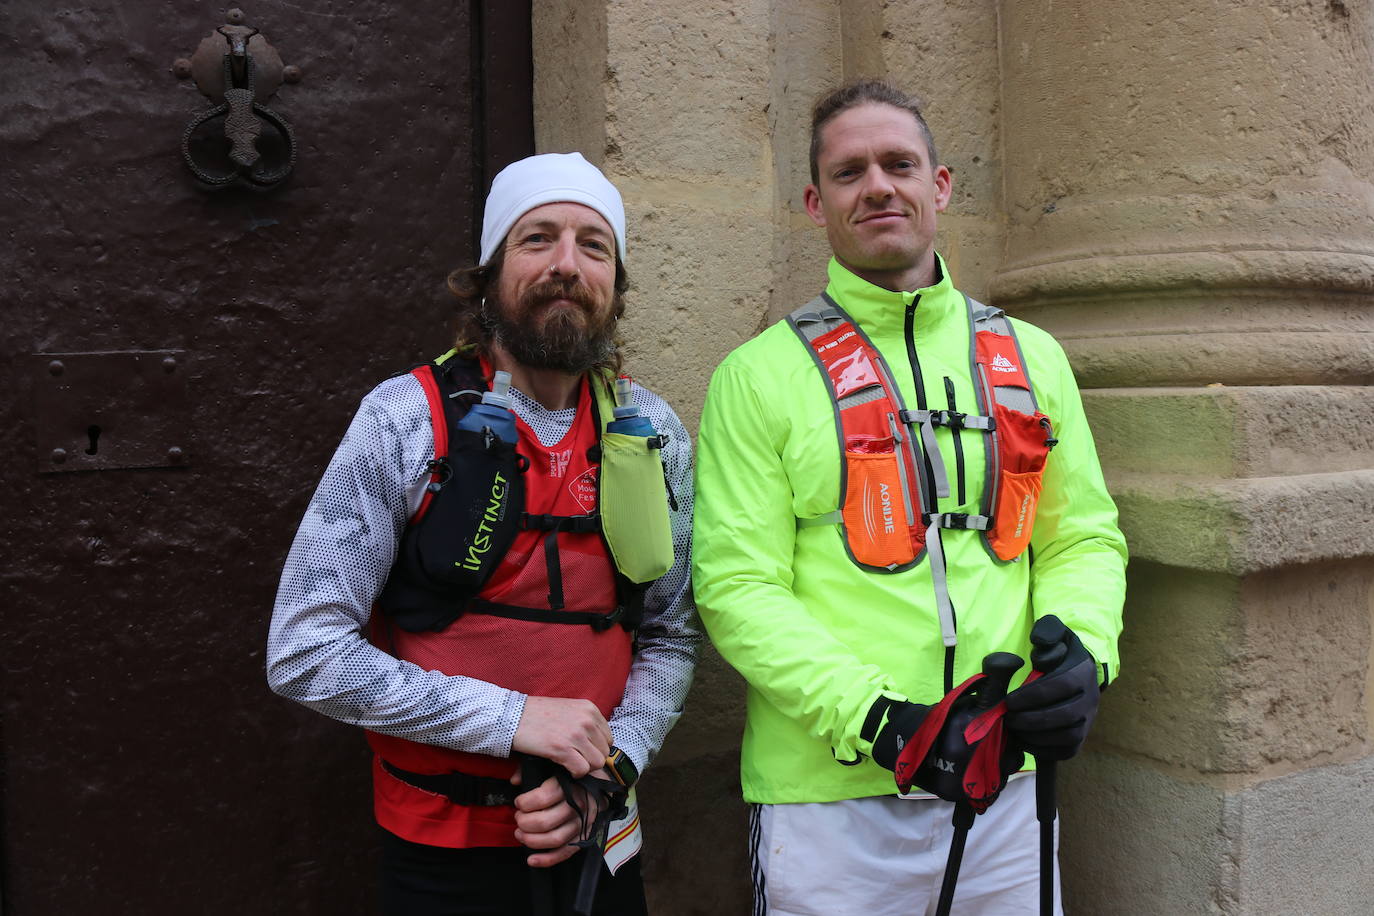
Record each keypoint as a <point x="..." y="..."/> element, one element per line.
<point x="566" y="339"/>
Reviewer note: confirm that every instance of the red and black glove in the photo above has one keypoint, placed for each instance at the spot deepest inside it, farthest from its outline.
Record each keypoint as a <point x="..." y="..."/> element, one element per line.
<point x="1049" y="716"/>
<point x="955" y="750"/>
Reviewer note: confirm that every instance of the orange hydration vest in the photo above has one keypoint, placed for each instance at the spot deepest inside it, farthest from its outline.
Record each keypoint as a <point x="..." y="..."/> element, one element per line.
<point x="892" y="471"/>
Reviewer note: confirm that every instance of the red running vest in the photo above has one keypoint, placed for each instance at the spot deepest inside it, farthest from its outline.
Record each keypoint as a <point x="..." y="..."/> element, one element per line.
<point x="538" y="659"/>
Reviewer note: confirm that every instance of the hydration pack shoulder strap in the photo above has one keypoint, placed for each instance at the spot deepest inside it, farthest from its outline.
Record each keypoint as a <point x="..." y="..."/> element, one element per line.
<point x="1019" y="437"/>
<point x="880" y="485"/>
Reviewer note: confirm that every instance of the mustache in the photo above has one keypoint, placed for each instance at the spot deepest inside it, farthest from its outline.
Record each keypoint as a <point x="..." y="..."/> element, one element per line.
<point x="548" y="290"/>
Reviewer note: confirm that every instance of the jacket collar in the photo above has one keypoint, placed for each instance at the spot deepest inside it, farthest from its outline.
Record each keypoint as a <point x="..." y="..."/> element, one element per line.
<point x="882" y="311"/>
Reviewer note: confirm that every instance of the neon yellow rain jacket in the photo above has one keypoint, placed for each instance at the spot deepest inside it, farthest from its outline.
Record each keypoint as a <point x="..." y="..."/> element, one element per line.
<point x="817" y="638"/>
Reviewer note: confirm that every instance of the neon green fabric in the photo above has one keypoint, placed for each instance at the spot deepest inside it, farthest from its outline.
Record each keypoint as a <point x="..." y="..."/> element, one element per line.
<point x="818" y="639"/>
<point x="633" y="506"/>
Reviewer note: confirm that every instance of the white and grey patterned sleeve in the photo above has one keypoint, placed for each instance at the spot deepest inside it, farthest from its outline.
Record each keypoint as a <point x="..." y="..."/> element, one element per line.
<point x="317" y="653"/>
<point x="669" y="639"/>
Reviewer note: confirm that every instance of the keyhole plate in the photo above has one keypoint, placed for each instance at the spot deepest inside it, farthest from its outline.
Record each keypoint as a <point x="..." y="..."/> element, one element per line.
<point x="104" y="411"/>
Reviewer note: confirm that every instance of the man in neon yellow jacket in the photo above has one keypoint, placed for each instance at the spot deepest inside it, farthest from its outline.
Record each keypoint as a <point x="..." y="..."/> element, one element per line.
<point x="844" y="659"/>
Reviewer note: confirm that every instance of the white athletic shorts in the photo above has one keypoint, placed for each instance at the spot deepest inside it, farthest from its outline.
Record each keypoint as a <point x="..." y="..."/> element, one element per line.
<point x="886" y="856"/>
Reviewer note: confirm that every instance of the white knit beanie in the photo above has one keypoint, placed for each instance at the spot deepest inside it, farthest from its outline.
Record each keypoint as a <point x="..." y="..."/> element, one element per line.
<point x="546" y="179"/>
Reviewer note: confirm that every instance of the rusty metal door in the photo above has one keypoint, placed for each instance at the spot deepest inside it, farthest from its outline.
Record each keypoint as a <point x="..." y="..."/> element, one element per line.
<point x="179" y="365"/>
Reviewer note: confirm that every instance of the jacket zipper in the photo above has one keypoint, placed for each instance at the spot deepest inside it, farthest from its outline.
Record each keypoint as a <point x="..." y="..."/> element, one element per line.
<point x="926" y="470"/>
<point x="931" y="506"/>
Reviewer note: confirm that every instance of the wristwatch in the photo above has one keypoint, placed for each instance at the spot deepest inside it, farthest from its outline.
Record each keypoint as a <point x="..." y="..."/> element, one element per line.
<point x="621" y="767"/>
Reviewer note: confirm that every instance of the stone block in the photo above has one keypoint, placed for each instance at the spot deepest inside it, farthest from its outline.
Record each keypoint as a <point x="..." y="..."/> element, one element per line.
<point x="808" y="61"/>
<point x="950" y="61"/>
<point x="1243" y="526"/>
<point x="1302" y="843"/>
<point x="1229" y="432"/>
<point x="1168" y="704"/>
<point x="1136" y="841"/>
<point x="688" y="87"/>
<point x="569" y="77"/>
<point x="1252" y="676"/>
<point x="700" y="279"/>
<point x="1300" y="680"/>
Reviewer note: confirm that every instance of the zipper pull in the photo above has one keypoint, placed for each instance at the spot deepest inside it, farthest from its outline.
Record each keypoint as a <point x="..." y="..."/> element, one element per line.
<point x="1050" y="441"/>
<point x="441" y="468"/>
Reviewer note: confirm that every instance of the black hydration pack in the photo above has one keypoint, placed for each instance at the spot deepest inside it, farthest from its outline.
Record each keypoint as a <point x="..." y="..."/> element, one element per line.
<point x="470" y="513"/>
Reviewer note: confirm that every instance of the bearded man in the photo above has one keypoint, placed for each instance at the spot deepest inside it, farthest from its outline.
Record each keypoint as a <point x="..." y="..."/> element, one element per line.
<point x="575" y="646"/>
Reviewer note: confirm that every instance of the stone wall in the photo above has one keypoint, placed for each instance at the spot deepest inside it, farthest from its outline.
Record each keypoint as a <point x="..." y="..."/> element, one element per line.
<point x="1183" y="196"/>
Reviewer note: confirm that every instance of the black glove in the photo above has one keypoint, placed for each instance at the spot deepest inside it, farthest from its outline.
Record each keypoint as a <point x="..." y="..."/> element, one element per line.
<point x="1050" y="716"/>
<point x="902" y="721"/>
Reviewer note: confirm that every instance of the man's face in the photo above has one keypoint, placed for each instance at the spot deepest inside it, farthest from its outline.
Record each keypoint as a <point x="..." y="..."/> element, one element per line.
<point x="555" y="306"/>
<point x="878" y="194"/>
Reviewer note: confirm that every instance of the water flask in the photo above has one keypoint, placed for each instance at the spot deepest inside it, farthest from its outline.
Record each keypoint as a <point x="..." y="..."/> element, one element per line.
<point x="494" y="412"/>
<point x="627" y="419"/>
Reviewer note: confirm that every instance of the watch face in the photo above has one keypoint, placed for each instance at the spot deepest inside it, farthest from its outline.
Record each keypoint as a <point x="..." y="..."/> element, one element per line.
<point x="621" y="767"/>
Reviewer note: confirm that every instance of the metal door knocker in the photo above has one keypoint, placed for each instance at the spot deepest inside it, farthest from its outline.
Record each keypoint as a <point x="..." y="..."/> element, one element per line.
<point x="240" y="140"/>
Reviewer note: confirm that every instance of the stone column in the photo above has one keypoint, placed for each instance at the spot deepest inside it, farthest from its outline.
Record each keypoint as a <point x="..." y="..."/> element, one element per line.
<point x="1190" y="211"/>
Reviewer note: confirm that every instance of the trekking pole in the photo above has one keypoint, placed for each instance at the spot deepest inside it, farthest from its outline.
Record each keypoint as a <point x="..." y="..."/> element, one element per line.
<point x="963" y="820"/>
<point x="1045" y="806"/>
<point x="533" y="772"/>
<point x="998" y="669"/>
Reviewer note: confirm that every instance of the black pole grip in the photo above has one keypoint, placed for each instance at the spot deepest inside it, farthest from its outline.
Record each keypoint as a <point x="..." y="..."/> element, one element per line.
<point x="998" y="669"/>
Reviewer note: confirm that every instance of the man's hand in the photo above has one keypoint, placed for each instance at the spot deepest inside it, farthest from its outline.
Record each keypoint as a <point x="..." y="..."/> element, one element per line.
<point x="1050" y="716"/>
<point x="545" y="820"/>
<point x="571" y="733"/>
<point x="956" y="749"/>
<point x="902" y="721"/>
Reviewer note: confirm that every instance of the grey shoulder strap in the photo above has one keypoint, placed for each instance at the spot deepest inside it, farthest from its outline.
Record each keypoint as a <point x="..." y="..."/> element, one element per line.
<point x="817" y="317"/>
<point x="987" y="318"/>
